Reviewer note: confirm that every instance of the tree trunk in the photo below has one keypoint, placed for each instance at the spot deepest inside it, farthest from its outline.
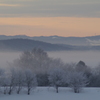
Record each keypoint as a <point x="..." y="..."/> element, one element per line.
<point x="9" y="92"/>
<point x="5" y="89"/>
<point x="19" y="89"/>
<point x="76" y="90"/>
<point x="56" y="89"/>
<point x="28" y="91"/>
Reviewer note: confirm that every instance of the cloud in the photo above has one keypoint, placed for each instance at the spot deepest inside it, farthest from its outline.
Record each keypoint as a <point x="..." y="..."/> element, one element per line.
<point x="51" y="8"/>
<point x="43" y="26"/>
<point x="10" y="5"/>
<point x="93" y="42"/>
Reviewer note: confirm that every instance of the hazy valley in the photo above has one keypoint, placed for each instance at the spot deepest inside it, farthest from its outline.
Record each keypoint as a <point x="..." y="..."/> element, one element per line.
<point x="91" y="58"/>
<point x="11" y="48"/>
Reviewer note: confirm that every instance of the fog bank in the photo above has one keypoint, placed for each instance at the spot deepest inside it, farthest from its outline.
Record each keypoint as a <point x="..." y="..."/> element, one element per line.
<point x="91" y="58"/>
<point x="6" y="57"/>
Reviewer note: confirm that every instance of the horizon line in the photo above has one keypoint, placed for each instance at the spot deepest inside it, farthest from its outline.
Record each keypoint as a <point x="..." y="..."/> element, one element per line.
<point x="49" y="35"/>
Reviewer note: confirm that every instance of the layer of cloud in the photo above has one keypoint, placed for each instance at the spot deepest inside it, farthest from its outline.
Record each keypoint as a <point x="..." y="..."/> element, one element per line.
<point x="94" y="42"/>
<point x="42" y="26"/>
<point x="9" y="5"/>
<point x="51" y="8"/>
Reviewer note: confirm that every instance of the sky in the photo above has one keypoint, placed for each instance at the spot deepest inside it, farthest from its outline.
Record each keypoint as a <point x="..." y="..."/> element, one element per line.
<point x="50" y="17"/>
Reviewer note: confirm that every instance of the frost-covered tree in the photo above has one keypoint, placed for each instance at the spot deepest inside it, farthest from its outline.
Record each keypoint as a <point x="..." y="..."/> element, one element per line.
<point x="77" y="80"/>
<point x="36" y="60"/>
<point x="11" y="80"/>
<point x="3" y="82"/>
<point x="55" y="77"/>
<point x="30" y="80"/>
<point x="19" y="80"/>
<point x="1" y="71"/>
<point x="82" y="67"/>
<point x="95" y="77"/>
<point x="42" y="79"/>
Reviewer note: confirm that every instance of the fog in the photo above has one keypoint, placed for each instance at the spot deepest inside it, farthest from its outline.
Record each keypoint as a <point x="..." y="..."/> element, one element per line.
<point x="8" y="57"/>
<point x="91" y="58"/>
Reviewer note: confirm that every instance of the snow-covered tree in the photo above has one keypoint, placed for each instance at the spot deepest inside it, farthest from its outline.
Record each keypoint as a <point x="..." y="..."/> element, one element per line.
<point x="30" y="80"/>
<point x="19" y="80"/>
<point x="82" y="67"/>
<point x="77" y="80"/>
<point x="55" y="77"/>
<point x="11" y="80"/>
<point x="42" y="79"/>
<point x="1" y="71"/>
<point x="36" y="60"/>
<point x="95" y="77"/>
<point x="3" y="82"/>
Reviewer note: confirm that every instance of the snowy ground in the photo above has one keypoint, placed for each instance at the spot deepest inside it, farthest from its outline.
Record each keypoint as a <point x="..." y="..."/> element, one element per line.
<point x="45" y="93"/>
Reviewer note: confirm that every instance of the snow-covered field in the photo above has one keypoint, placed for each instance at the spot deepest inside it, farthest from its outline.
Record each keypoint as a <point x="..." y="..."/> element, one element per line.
<point x="45" y="93"/>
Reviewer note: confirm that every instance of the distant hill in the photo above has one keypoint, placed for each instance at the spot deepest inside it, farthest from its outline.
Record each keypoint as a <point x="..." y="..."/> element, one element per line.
<point x="77" y="41"/>
<point x="27" y="44"/>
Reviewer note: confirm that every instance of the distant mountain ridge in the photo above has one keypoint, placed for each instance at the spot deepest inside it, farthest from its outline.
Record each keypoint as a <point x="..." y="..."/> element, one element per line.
<point x="78" y="41"/>
<point x="27" y="44"/>
<point x="20" y="44"/>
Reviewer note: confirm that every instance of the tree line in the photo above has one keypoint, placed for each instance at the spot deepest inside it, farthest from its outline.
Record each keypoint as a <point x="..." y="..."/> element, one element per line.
<point x="36" y="68"/>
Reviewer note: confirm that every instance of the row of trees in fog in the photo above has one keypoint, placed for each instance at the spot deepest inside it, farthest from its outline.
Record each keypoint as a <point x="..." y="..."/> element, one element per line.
<point x="16" y="80"/>
<point x="36" y="68"/>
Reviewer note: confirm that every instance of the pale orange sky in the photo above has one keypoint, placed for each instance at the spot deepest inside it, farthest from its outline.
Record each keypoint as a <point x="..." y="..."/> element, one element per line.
<point x="47" y="26"/>
<point x="50" y="17"/>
